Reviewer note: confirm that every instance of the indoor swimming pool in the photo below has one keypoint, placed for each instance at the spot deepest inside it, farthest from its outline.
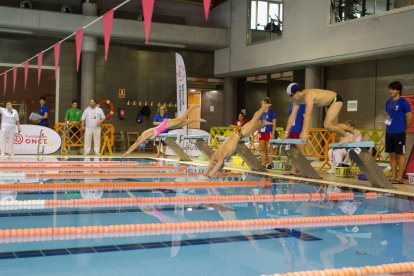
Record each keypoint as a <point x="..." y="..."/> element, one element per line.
<point x="146" y="217"/>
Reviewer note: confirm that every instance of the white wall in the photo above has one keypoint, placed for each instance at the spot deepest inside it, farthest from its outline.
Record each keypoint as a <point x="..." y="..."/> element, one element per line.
<point x="309" y="38"/>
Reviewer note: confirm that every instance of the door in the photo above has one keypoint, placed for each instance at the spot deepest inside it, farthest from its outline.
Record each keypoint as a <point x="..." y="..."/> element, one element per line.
<point x="194" y="98"/>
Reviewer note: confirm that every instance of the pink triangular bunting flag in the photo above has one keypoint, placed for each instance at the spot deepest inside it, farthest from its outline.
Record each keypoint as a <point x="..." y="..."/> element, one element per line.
<point x="57" y="54"/>
<point x="206" y="7"/>
<point x="4" y="83"/>
<point x="26" y="72"/>
<point x="148" y="7"/>
<point x="39" y="66"/>
<point x="14" y="78"/>
<point x="107" y="26"/>
<point x="78" y="39"/>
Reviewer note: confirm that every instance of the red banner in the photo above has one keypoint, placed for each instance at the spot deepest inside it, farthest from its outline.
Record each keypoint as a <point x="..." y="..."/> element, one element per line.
<point x="57" y="54"/>
<point x="107" y="26"/>
<point x="78" y="39"/>
<point x="14" y="78"/>
<point x="206" y="7"/>
<point x="148" y="8"/>
<point x="39" y="66"/>
<point x="26" y="72"/>
<point x="410" y="99"/>
<point x="4" y="83"/>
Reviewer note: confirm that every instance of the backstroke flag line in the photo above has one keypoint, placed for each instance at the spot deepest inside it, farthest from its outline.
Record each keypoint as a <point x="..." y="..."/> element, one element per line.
<point x="181" y="84"/>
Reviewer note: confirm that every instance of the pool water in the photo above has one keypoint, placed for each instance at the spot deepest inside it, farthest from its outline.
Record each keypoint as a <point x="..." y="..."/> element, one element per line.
<point x="249" y="252"/>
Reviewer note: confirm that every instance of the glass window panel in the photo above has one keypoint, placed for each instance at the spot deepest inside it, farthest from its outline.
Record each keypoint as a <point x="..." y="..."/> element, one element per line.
<point x="262" y="15"/>
<point x="274" y="10"/>
<point x="281" y="12"/>
<point x="253" y="15"/>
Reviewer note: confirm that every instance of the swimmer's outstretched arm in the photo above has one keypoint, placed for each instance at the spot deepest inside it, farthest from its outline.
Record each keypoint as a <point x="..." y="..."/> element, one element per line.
<point x="218" y="165"/>
<point x="210" y="163"/>
<point x="307" y="117"/>
<point x="291" y="119"/>
<point x="141" y="139"/>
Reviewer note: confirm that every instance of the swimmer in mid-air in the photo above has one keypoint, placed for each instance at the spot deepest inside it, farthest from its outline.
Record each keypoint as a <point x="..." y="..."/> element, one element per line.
<point x="322" y="98"/>
<point x="167" y="124"/>
<point x="228" y="147"/>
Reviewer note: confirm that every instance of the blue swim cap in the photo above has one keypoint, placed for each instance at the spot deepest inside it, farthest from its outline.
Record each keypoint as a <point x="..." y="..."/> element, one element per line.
<point x="292" y="89"/>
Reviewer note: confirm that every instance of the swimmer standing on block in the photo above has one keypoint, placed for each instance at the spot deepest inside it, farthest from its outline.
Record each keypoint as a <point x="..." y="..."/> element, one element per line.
<point x="322" y="98"/>
<point x="228" y="147"/>
<point x="168" y="124"/>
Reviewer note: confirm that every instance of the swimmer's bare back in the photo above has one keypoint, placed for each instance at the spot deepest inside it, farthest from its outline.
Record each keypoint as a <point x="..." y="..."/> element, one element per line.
<point x="320" y="97"/>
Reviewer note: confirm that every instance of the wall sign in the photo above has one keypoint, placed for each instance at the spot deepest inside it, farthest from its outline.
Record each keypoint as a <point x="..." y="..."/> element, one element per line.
<point x="352" y="106"/>
<point x="121" y="93"/>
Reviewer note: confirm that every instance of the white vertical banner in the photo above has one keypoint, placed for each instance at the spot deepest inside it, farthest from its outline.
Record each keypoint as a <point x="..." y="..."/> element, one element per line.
<point x="181" y="84"/>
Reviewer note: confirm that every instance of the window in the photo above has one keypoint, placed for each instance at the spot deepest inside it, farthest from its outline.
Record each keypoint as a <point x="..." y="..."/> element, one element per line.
<point x="343" y="10"/>
<point x="265" y="17"/>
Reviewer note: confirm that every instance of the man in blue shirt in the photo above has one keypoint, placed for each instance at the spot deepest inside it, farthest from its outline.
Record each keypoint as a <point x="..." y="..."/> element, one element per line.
<point x="397" y="121"/>
<point x="295" y="130"/>
<point x="267" y="132"/>
<point x="43" y="110"/>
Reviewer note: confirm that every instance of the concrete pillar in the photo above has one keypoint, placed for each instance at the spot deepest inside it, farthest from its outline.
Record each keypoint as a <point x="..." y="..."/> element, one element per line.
<point x="88" y="60"/>
<point x="313" y="79"/>
<point x="230" y="100"/>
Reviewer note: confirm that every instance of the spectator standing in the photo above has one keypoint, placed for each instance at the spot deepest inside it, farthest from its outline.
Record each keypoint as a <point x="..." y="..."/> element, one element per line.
<point x="9" y="121"/>
<point x="91" y="121"/>
<point x="397" y="121"/>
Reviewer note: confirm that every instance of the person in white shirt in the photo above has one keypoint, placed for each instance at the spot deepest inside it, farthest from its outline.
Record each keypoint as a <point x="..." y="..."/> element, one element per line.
<point x="91" y="121"/>
<point x="9" y="120"/>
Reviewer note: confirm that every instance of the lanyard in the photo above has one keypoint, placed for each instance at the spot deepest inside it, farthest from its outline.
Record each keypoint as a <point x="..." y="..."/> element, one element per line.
<point x="392" y="105"/>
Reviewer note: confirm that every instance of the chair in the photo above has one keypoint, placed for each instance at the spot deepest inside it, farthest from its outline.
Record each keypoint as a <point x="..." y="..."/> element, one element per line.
<point x="149" y="146"/>
<point x="132" y="136"/>
<point x="119" y="141"/>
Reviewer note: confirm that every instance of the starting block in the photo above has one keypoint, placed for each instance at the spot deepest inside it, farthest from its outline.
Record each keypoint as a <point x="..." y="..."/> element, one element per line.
<point x="169" y="139"/>
<point x="295" y="157"/>
<point x="201" y="142"/>
<point x="247" y="156"/>
<point x="362" y="144"/>
<point x="244" y="139"/>
<point x="358" y="152"/>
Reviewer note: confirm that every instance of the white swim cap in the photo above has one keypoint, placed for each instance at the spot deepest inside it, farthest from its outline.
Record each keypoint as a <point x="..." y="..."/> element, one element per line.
<point x="292" y="89"/>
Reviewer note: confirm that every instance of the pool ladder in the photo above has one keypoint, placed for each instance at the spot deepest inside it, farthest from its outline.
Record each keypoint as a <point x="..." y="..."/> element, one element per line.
<point x="41" y="145"/>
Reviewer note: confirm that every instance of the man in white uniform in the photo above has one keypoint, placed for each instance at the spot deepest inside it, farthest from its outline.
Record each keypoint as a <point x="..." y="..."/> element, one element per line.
<point x="92" y="118"/>
<point x="9" y="120"/>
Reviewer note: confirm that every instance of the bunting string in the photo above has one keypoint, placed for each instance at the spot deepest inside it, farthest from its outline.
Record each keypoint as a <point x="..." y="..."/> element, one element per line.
<point x="147" y="5"/>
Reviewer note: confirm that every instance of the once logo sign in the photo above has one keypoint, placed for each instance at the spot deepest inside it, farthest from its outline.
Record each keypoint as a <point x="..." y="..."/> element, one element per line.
<point x="27" y="141"/>
<point x="18" y="139"/>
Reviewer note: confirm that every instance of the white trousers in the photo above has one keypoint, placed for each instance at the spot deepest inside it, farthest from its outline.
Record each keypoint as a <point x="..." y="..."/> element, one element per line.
<point x="96" y="134"/>
<point x="336" y="156"/>
<point x="7" y="139"/>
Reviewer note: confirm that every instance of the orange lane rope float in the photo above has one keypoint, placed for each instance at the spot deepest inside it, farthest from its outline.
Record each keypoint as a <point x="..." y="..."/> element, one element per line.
<point x="124" y="175"/>
<point x="91" y="168"/>
<point x="129" y="185"/>
<point x="355" y="271"/>
<point x="151" y="201"/>
<point x="106" y="231"/>
<point x="42" y="163"/>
